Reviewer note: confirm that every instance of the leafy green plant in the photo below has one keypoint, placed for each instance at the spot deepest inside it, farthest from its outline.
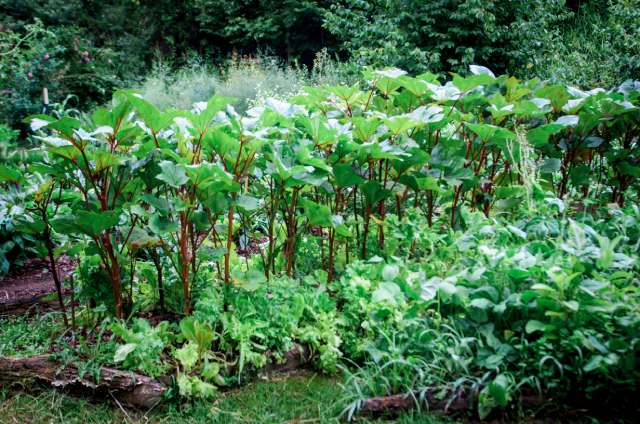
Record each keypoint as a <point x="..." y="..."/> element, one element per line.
<point x="195" y="357"/>
<point x="506" y="319"/>
<point x="144" y="346"/>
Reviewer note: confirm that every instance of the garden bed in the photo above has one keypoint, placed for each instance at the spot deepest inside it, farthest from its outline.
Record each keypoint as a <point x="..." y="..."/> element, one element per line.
<point x="31" y="286"/>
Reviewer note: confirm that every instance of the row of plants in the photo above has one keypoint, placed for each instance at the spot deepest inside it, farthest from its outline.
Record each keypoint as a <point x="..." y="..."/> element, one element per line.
<point x="336" y="159"/>
<point x="413" y="227"/>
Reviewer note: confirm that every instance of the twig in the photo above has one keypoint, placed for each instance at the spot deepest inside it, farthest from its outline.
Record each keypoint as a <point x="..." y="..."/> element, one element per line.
<point x="120" y="406"/>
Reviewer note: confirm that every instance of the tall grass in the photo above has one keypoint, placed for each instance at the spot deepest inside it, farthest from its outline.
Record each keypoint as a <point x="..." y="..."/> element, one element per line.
<point x="168" y="88"/>
<point x="253" y="79"/>
<point x="249" y="79"/>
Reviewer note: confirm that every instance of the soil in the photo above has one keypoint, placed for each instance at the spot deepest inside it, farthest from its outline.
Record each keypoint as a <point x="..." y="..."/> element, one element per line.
<point x="31" y="282"/>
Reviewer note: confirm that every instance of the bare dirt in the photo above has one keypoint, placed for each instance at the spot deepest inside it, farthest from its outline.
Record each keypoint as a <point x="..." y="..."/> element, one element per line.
<point x="31" y="282"/>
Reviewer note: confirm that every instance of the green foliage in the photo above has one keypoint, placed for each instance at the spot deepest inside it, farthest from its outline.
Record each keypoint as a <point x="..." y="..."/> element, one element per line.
<point x="82" y="57"/>
<point x="443" y="35"/>
<point x="60" y="46"/>
<point x="501" y="309"/>
<point x="62" y="59"/>
<point x="144" y="346"/>
<point x="24" y="336"/>
<point x="380" y="225"/>
<point x="199" y="368"/>
<point x="291" y="28"/>
<point x="598" y="47"/>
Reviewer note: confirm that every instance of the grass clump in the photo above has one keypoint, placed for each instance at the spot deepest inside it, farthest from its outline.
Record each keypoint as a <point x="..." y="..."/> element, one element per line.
<point x="167" y="88"/>
<point x="249" y="79"/>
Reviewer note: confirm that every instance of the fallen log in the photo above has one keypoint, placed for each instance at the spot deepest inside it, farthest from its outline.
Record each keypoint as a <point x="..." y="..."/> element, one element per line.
<point x="447" y="401"/>
<point x="127" y="387"/>
<point x="32" y="306"/>
<point x="432" y="399"/>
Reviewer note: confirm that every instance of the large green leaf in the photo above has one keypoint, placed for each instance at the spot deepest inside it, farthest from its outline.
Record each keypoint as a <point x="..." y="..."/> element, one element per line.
<point x="345" y="175"/>
<point x="161" y="225"/>
<point x="89" y="223"/>
<point x="317" y="214"/>
<point x="248" y="203"/>
<point x="65" y="126"/>
<point x="150" y="115"/>
<point x="172" y="174"/>
<point x="215" y="104"/>
<point x="539" y="136"/>
<point x="373" y="191"/>
<point x="488" y="132"/>
<point x="7" y="174"/>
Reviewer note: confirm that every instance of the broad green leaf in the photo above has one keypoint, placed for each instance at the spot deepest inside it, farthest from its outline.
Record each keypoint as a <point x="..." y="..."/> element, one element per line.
<point x="84" y="222"/>
<point x="248" y="203"/>
<point x="9" y="174"/>
<point x="65" y="126"/>
<point x="317" y="214"/>
<point x="557" y="94"/>
<point x="187" y="355"/>
<point x="345" y="176"/>
<point x="123" y="351"/>
<point x="499" y="389"/>
<point x="387" y="292"/>
<point x="390" y="271"/>
<point x="533" y="326"/>
<point x="373" y="191"/>
<point x="172" y="174"/>
<point x="106" y="160"/>
<point x="539" y="136"/>
<point x="150" y="115"/>
<point x="162" y="225"/>
<point x="488" y="132"/>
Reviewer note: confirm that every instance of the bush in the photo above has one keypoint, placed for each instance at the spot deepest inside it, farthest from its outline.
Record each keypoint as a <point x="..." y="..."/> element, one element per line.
<point x="60" y="59"/>
<point x="443" y="35"/>
<point x="597" y="48"/>
<point x="543" y="306"/>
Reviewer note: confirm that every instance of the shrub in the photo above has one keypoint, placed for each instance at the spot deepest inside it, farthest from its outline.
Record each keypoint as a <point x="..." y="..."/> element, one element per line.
<point x="443" y="35"/>
<point x="596" y="48"/>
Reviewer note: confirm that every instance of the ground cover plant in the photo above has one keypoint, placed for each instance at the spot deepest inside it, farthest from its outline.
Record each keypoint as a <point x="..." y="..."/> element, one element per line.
<point x="469" y="242"/>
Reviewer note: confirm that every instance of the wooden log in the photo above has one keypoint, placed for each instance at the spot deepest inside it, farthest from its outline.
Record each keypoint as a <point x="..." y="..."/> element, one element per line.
<point x="431" y="399"/>
<point x="30" y="306"/>
<point x="127" y="387"/>
<point x="436" y="400"/>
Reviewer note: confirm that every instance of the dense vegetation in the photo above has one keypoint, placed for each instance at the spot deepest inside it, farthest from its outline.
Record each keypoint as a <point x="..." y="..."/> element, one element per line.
<point x="473" y="238"/>
<point x="233" y="181"/>
<point x="87" y="48"/>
